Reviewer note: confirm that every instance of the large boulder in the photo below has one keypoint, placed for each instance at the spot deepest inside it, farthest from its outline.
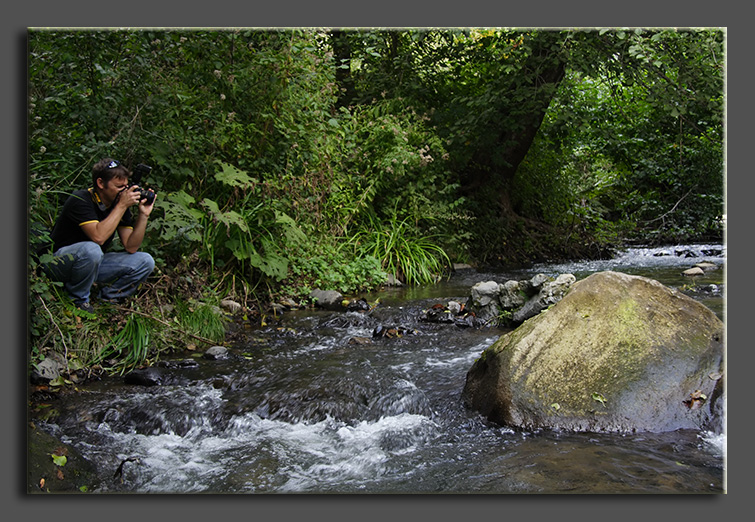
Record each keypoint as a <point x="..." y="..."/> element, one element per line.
<point x="617" y="353"/>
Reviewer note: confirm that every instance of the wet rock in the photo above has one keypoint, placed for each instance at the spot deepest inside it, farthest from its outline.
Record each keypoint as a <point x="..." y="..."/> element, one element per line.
<point x="145" y="377"/>
<point x="358" y="305"/>
<point x="327" y="299"/>
<point x="466" y="321"/>
<point x="438" y="314"/>
<point x="216" y="353"/>
<point x="685" y="252"/>
<point x="695" y="271"/>
<point x="617" y="353"/>
<point x="179" y="364"/>
<point x="48" y="370"/>
<point x="513" y="302"/>
<point x="453" y="312"/>
<point x="392" y="332"/>
<point x="391" y="280"/>
<point x="550" y="293"/>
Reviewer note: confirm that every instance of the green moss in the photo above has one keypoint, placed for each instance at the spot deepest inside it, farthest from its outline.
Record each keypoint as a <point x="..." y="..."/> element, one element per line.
<point x="622" y="341"/>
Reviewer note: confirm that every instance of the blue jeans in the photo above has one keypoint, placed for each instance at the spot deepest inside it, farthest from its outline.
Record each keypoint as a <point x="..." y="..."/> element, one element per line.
<point x="117" y="274"/>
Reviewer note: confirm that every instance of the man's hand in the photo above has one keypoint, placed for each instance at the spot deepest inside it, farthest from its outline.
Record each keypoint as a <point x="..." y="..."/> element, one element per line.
<point x="129" y="197"/>
<point x="146" y="209"/>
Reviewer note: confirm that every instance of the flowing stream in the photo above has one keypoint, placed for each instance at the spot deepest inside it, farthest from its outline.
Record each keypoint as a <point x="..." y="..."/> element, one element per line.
<point x="313" y="404"/>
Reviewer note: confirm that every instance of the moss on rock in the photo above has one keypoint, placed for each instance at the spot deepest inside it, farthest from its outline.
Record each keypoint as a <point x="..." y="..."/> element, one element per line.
<point x="618" y="353"/>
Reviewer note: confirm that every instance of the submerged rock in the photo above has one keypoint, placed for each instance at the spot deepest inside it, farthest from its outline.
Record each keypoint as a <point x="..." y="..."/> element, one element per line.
<point x="617" y="353"/>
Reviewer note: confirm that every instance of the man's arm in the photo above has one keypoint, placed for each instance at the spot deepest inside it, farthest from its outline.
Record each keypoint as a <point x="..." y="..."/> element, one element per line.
<point x="100" y="231"/>
<point x="132" y="238"/>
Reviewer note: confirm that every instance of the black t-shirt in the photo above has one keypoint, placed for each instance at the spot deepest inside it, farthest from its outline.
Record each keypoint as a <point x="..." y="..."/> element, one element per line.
<point x="81" y="207"/>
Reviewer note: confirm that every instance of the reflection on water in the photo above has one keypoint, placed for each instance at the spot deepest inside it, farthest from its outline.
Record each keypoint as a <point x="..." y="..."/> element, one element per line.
<point x="300" y="409"/>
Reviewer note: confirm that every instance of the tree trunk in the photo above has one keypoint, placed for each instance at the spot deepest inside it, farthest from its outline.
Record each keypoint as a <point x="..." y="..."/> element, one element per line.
<point x="495" y="164"/>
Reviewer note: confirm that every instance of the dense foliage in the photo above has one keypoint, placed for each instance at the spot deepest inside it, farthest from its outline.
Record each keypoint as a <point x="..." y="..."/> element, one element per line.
<point x="286" y="160"/>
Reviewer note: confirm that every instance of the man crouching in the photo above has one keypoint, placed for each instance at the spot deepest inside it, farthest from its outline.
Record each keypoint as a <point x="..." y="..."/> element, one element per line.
<point x="85" y="229"/>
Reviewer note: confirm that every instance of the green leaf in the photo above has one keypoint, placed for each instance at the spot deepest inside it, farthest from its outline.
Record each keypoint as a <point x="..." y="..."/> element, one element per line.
<point x="59" y="460"/>
<point x="598" y="397"/>
<point x="60" y="380"/>
<point x="227" y="218"/>
<point x="232" y="176"/>
<point x="182" y="198"/>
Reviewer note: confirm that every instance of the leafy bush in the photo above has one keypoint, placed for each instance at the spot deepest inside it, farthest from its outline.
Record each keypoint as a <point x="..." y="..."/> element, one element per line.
<point x="332" y="267"/>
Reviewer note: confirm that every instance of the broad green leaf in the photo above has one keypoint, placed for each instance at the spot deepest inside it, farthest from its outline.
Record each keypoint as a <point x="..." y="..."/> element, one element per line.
<point x="232" y="176"/>
<point x="59" y="460"/>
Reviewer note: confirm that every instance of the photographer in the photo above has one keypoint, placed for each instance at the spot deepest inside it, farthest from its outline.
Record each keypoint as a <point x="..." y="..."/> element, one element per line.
<point x="85" y="229"/>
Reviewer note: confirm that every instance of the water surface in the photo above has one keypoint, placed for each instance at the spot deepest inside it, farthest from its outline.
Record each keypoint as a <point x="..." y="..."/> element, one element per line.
<point x="313" y="404"/>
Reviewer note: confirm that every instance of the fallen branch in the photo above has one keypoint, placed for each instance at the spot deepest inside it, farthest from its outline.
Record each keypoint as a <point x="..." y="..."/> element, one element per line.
<point x="672" y="209"/>
<point x="62" y="337"/>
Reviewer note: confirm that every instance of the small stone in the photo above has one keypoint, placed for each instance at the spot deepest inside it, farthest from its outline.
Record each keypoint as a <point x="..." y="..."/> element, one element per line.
<point x="328" y="299"/>
<point x="144" y="377"/>
<point x="230" y="305"/>
<point x="216" y="353"/>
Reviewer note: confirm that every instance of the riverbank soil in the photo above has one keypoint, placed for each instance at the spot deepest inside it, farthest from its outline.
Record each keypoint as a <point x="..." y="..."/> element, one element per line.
<point x="55" y="467"/>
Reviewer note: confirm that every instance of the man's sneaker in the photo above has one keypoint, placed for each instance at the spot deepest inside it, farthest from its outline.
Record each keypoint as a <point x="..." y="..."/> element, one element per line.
<point x="85" y="306"/>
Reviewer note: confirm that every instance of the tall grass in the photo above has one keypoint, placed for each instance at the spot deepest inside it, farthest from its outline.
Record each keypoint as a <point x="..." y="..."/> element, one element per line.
<point x="130" y="346"/>
<point x="409" y="256"/>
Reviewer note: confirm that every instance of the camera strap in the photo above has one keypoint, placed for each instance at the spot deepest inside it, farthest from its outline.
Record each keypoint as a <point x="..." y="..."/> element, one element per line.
<point x="97" y="201"/>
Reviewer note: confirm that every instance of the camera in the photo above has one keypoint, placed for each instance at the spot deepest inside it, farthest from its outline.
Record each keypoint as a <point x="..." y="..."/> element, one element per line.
<point x="140" y="170"/>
